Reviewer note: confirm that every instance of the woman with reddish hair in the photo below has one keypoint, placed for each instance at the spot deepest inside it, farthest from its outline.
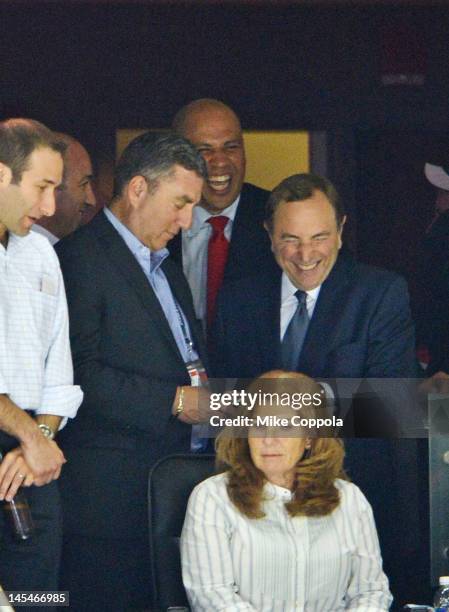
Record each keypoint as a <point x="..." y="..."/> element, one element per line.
<point x="282" y="529"/>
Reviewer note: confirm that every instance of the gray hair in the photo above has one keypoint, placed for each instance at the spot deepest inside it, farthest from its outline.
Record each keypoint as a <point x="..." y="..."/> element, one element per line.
<point x="153" y="155"/>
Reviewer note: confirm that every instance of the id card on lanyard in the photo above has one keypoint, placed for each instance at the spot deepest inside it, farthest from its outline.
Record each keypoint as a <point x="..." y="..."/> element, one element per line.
<point x="197" y="373"/>
<point x="198" y="378"/>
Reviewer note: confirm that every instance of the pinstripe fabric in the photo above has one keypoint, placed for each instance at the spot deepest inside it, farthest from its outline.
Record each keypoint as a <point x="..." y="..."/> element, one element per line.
<point x="35" y="362"/>
<point x="279" y="563"/>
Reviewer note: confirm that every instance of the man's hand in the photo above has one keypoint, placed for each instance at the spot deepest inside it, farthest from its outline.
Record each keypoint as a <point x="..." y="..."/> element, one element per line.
<point x="14" y="472"/>
<point x="195" y="403"/>
<point x="44" y="457"/>
<point x="438" y="383"/>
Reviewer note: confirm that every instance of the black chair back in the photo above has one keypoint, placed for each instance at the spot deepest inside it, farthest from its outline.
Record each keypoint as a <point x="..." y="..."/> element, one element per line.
<point x="170" y="483"/>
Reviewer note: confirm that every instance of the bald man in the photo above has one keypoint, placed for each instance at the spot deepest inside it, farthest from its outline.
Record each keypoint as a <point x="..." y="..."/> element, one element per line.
<point x="227" y="240"/>
<point x="75" y="198"/>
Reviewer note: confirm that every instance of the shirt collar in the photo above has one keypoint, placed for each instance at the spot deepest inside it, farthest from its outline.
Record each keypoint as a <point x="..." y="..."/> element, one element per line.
<point x="288" y="289"/>
<point x="201" y="215"/>
<point x="272" y="491"/>
<point x="15" y="242"/>
<point x="43" y="231"/>
<point x="137" y="248"/>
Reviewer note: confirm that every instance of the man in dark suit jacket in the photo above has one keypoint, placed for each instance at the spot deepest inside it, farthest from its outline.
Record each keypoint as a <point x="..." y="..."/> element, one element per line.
<point x="359" y="322"/>
<point x="216" y="132"/>
<point x="133" y="332"/>
<point x="358" y="325"/>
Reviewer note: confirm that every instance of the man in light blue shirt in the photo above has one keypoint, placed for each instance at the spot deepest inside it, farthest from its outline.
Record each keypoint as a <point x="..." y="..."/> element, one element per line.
<point x="135" y="341"/>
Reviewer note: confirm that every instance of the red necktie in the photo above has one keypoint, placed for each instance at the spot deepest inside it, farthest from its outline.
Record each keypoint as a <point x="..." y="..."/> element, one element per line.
<point x="217" y="254"/>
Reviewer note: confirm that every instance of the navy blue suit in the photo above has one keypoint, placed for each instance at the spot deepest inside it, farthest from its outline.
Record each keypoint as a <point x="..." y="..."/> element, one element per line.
<point x="361" y="326"/>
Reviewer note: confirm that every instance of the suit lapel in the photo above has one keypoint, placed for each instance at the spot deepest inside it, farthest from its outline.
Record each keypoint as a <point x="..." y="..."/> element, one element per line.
<point x="267" y="319"/>
<point x="119" y="255"/>
<point x="242" y="228"/>
<point x="325" y="317"/>
<point x="181" y="292"/>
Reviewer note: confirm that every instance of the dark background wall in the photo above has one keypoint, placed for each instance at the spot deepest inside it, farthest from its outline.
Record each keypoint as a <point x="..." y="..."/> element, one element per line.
<point x="89" y="68"/>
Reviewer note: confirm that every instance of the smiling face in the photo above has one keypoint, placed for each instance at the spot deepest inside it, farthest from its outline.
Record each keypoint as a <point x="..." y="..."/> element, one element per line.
<point x="305" y="240"/>
<point x="74" y="198"/>
<point x="160" y="211"/>
<point x="22" y="204"/>
<point x="216" y="133"/>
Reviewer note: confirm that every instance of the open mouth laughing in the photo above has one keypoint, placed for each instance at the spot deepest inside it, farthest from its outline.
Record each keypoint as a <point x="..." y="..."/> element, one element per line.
<point x="220" y="184"/>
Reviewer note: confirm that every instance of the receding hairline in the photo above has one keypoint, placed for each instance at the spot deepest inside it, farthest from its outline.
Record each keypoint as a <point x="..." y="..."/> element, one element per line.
<point x="198" y="106"/>
<point x="26" y="122"/>
<point x="71" y="145"/>
<point x="70" y="142"/>
<point x="65" y="138"/>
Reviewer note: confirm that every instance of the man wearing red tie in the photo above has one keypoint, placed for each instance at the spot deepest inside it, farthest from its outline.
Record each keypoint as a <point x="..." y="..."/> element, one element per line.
<point x="227" y="240"/>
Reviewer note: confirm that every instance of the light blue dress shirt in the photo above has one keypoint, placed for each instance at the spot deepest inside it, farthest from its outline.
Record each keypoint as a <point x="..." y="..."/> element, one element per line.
<point x="150" y="262"/>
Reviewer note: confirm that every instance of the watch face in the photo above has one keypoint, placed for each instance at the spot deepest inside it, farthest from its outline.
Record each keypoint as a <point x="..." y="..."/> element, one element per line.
<point x="47" y="431"/>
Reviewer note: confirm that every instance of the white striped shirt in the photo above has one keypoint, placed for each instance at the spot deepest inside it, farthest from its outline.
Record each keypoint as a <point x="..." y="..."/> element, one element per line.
<point x="279" y="563"/>
<point x="36" y="369"/>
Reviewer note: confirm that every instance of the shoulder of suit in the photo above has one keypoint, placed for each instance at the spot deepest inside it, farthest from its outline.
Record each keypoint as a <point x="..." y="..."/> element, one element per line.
<point x="254" y="194"/>
<point x="361" y="272"/>
<point x="250" y="288"/>
<point x="79" y="240"/>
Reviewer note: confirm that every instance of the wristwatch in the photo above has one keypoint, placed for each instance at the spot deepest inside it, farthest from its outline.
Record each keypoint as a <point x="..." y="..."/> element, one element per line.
<point x="47" y="431"/>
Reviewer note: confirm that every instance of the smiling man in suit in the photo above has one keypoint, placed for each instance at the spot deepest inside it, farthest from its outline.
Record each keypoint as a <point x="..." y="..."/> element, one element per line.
<point x="227" y="240"/>
<point x="133" y="334"/>
<point x="75" y="198"/>
<point x="321" y="312"/>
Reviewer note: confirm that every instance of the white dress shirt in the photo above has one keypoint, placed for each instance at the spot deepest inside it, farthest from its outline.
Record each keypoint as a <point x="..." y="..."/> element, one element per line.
<point x="289" y="302"/>
<point x="194" y="252"/>
<point x="36" y="369"/>
<point x="52" y="239"/>
<point x="279" y="563"/>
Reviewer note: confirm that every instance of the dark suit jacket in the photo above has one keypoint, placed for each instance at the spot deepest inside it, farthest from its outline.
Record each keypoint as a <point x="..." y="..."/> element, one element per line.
<point x="128" y="365"/>
<point x="249" y="249"/>
<point x="361" y="326"/>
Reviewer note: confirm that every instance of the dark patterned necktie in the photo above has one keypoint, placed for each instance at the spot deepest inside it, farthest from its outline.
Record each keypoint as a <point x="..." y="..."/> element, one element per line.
<point x="295" y="333"/>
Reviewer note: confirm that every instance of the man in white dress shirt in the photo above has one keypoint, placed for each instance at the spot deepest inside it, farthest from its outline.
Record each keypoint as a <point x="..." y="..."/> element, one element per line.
<point x="36" y="374"/>
<point x="227" y="240"/>
<point x="75" y="198"/>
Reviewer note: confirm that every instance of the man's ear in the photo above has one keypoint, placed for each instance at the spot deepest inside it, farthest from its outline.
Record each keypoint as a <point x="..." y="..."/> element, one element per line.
<point x="137" y="189"/>
<point x="5" y="175"/>
<point x="267" y="228"/>
<point x="340" y="232"/>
